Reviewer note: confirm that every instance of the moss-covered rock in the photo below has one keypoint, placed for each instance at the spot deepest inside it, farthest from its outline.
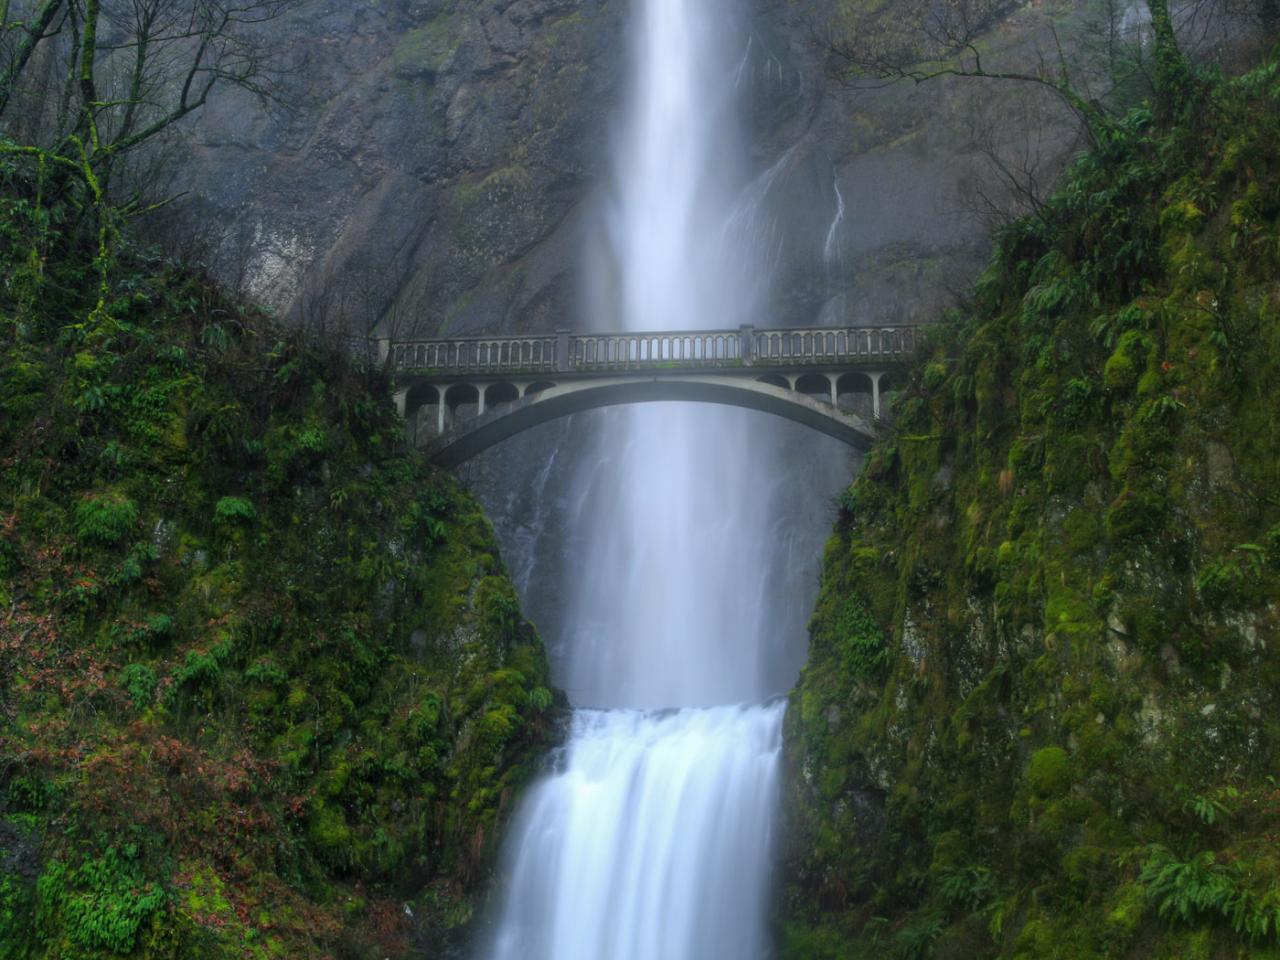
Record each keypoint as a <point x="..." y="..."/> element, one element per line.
<point x="263" y="679"/>
<point x="1070" y="751"/>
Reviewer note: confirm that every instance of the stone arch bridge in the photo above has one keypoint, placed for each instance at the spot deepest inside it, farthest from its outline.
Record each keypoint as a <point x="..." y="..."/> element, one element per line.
<point x="464" y="394"/>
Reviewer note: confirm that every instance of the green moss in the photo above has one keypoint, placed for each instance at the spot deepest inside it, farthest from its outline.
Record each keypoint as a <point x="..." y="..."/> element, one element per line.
<point x="1077" y="617"/>
<point x="265" y="659"/>
<point x="1135" y="514"/>
<point x="1049" y="773"/>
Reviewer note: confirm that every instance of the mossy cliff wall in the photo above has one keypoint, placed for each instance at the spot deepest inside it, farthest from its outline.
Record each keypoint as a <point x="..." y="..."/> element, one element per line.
<point x="265" y="689"/>
<point x="1040" y="717"/>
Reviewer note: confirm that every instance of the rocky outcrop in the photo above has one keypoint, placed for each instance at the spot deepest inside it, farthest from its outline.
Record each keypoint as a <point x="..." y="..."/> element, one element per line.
<point x="431" y="166"/>
<point x="425" y="165"/>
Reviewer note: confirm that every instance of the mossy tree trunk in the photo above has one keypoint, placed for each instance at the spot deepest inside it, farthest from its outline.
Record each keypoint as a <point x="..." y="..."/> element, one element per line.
<point x="1173" y="73"/>
<point x="88" y="83"/>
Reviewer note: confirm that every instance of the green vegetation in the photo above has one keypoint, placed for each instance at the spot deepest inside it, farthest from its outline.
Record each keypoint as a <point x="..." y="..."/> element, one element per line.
<point x="263" y="680"/>
<point x="1069" y="547"/>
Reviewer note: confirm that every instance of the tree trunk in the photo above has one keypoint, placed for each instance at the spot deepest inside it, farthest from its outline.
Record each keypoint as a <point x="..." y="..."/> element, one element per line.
<point x="1173" y="74"/>
<point x="88" y="53"/>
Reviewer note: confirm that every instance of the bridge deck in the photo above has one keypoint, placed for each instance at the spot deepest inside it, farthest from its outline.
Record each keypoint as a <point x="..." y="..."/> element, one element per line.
<point x="565" y="353"/>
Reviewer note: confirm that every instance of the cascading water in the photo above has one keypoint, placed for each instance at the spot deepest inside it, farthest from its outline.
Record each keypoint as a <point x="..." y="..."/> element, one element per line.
<point x="652" y="839"/>
<point x="651" y="843"/>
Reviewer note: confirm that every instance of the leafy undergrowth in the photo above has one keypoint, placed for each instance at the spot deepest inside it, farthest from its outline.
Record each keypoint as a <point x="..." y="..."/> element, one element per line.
<point x="1041" y="714"/>
<point x="265" y="690"/>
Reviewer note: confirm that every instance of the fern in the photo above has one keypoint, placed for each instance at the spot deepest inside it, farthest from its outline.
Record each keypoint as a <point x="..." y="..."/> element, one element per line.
<point x="865" y="654"/>
<point x="914" y="941"/>
<point x="105" y="519"/>
<point x="1210" y="809"/>
<point x="232" y="510"/>
<point x="967" y="888"/>
<point x="1201" y="889"/>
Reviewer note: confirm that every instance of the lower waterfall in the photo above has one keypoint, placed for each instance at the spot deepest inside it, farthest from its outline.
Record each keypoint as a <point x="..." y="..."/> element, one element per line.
<point x="650" y="840"/>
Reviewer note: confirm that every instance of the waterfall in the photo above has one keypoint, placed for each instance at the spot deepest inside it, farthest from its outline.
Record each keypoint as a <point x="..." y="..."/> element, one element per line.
<point x="831" y="251"/>
<point x="652" y="841"/>
<point x="670" y="601"/>
<point x="684" y="608"/>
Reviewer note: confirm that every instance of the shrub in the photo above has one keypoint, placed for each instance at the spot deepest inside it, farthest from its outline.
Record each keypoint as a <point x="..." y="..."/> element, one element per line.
<point x="139" y="681"/>
<point x="105" y="519"/>
<point x="935" y="375"/>
<point x="232" y="510"/>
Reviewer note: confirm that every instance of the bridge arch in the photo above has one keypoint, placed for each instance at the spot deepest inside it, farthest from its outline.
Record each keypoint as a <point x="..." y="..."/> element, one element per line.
<point x="814" y="385"/>
<point x="499" y="393"/>
<point x="461" y="395"/>
<point x="467" y="438"/>
<point x="420" y="395"/>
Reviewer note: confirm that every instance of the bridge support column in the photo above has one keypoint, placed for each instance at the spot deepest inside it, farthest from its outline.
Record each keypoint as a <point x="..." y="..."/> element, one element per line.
<point x="875" y="394"/>
<point x="747" y="343"/>
<point x="562" y="351"/>
<point x="440" y="411"/>
<point x="835" y="397"/>
<point x="402" y="400"/>
<point x="480" y="389"/>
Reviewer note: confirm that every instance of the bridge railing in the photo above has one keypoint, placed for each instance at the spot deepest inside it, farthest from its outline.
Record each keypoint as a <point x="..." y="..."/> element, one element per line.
<point x="467" y="355"/>
<point x="832" y="345"/>
<point x="631" y="351"/>
<point x="565" y="352"/>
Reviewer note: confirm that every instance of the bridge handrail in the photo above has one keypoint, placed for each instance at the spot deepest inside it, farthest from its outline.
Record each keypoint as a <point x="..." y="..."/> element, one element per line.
<point x="566" y="352"/>
<point x="477" y="354"/>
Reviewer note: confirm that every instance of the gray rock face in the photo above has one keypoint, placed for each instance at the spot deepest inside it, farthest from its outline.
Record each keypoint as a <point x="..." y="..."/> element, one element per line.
<point x="875" y="208"/>
<point x="432" y="164"/>
<point x="424" y="166"/>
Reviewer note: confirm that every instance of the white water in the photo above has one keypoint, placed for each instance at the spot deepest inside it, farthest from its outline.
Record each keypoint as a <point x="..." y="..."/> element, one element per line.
<point x="671" y="601"/>
<point x="652" y="841"/>
<point x="637" y="850"/>
<point x="831" y="250"/>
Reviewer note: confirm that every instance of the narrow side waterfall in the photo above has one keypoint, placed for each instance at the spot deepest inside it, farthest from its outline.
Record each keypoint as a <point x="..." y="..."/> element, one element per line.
<point x="653" y="838"/>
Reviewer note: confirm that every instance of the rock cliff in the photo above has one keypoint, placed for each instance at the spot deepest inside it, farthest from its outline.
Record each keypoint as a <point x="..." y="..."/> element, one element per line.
<point x="432" y="166"/>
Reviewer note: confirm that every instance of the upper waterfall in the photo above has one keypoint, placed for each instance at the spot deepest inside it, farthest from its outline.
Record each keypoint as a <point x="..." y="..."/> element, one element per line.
<point x="670" y="601"/>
